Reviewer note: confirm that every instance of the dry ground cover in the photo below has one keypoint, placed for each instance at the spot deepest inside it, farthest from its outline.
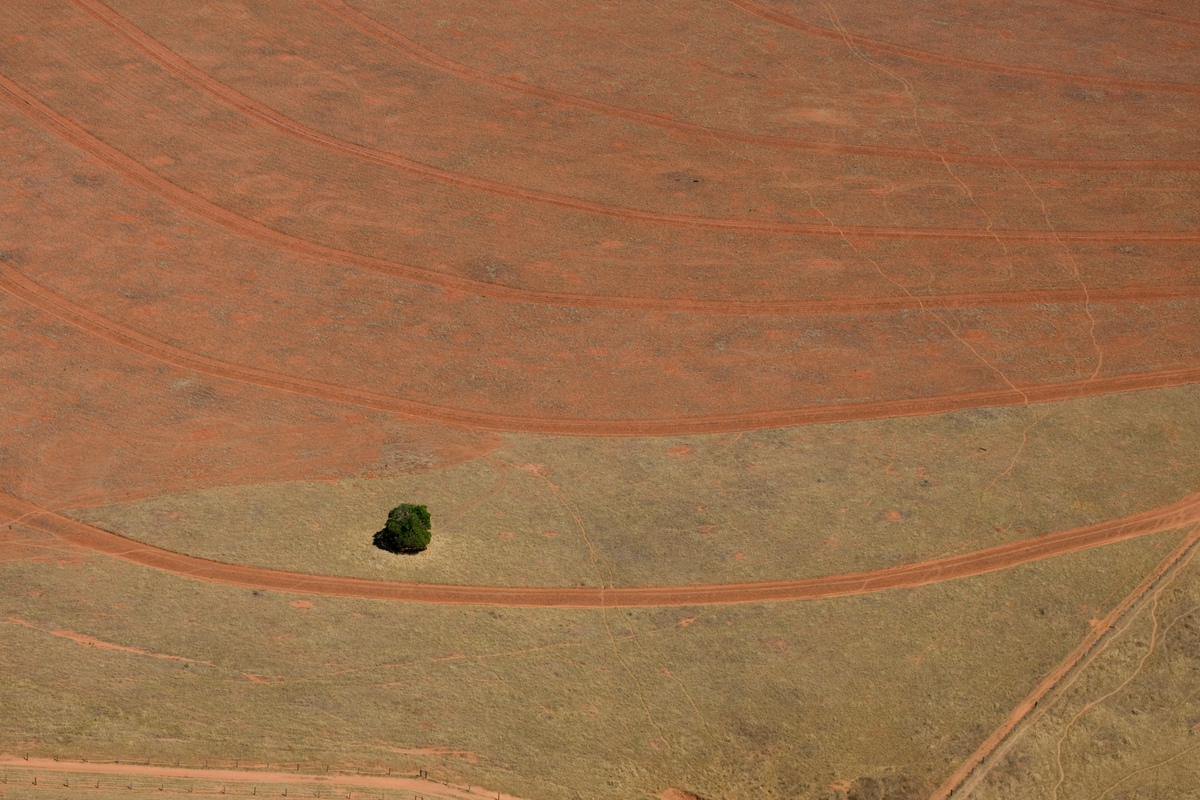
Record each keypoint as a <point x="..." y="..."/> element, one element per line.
<point x="767" y="504"/>
<point x="1126" y="728"/>
<point x="265" y="274"/>
<point x="762" y="700"/>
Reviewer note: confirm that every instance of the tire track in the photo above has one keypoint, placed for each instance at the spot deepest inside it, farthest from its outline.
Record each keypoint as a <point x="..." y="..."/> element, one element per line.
<point x="146" y="177"/>
<point x="874" y="45"/>
<point x="49" y="300"/>
<point x="101" y="327"/>
<point x="408" y="785"/>
<point x="969" y="774"/>
<point x="429" y="58"/>
<point x="1037" y="548"/>
<point x="139" y="175"/>
<point x="1134" y="12"/>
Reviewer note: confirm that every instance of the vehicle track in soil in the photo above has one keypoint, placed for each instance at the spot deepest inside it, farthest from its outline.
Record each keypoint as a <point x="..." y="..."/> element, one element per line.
<point x="1135" y="12"/>
<point x="125" y="337"/>
<point x="377" y="30"/>
<point x="136" y="172"/>
<point x="139" y="175"/>
<point x="227" y="775"/>
<point x="991" y="750"/>
<point x="1011" y="554"/>
<point x="876" y="46"/>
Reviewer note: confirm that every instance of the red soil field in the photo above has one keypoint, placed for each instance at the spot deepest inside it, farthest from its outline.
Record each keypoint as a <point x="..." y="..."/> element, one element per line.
<point x="319" y="204"/>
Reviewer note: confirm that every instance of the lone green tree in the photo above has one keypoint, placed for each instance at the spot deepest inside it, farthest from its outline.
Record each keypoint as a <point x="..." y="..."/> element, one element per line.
<point x="407" y="530"/>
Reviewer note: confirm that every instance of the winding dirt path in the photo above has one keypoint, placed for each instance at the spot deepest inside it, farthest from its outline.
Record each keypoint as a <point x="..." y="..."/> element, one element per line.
<point x="1176" y="515"/>
<point x="16" y="284"/>
<point x="218" y="775"/>
<point x="137" y="173"/>
<point x="422" y="55"/>
<point x="876" y="46"/>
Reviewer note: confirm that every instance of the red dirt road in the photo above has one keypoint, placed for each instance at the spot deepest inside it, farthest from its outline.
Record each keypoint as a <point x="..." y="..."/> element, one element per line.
<point x="218" y="775"/>
<point x="1177" y="515"/>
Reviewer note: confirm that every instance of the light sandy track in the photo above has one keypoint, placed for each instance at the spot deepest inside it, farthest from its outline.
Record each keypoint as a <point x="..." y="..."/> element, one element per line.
<point x="130" y="339"/>
<point x="394" y="783"/>
<point x="1176" y="515"/>
<point x="416" y="52"/>
<point x="139" y="174"/>
<point x="876" y="46"/>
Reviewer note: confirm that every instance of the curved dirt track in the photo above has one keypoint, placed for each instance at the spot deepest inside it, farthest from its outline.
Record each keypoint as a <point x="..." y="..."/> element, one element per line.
<point x="137" y="173"/>
<point x="377" y="30"/>
<point x="1132" y="11"/>
<point x="872" y="45"/>
<point x="160" y="351"/>
<point x="225" y="775"/>
<point x="1177" y="515"/>
<point x="43" y="298"/>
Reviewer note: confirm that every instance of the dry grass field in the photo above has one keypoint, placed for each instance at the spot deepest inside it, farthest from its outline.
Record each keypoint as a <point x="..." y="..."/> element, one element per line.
<point x="1127" y="726"/>
<point x="104" y="659"/>
<point x="768" y="504"/>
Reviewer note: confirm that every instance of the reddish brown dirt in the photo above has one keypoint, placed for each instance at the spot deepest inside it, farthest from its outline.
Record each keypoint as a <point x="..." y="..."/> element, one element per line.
<point x="316" y="204"/>
<point x="1177" y="515"/>
<point x="160" y="351"/>
<point x="218" y="775"/>
<point x="253" y="268"/>
<point x="768" y="11"/>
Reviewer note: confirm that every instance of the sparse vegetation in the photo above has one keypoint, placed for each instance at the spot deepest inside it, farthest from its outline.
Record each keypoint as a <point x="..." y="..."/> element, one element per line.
<point x="407" y="530"/>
